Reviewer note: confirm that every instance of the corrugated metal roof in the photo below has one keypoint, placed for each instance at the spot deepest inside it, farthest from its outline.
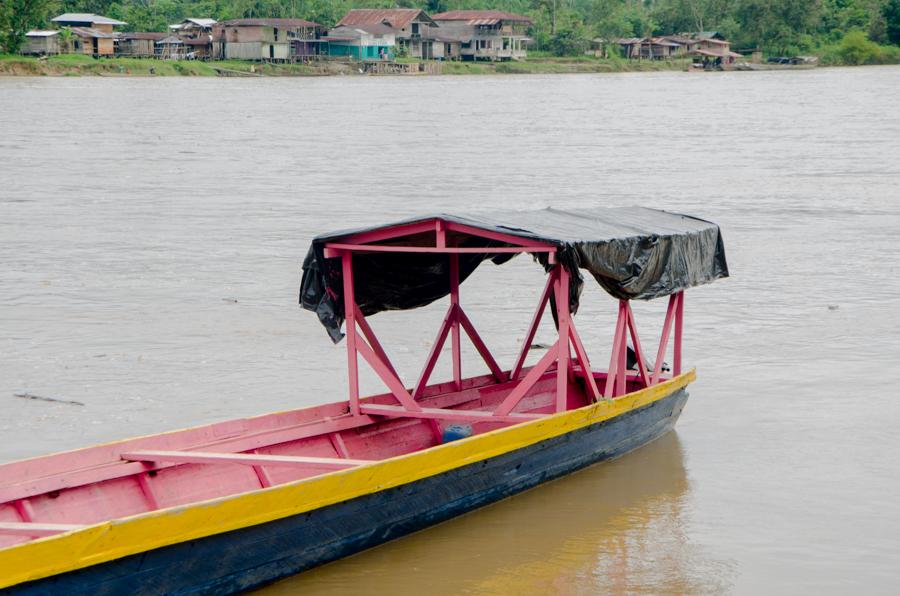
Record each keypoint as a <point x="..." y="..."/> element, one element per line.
<point x="481" y="15"/>
<point x="201" y="22"/>
<point x="286" y="23"/>
<point x="40" y="33"/>
<point x="398" y="18"/>
<point x="343" y="32"/>
<point x="627" y="41"/>
<point x="711" y="53"/>
<point x="152" y="35"/>
<point x="86" y="17"/>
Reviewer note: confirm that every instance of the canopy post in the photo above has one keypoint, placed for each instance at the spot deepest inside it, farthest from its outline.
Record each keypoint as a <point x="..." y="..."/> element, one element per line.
<point x="679" y="317"/>
<point x="636" y="342"/>
<point x="562" y="364"/>
<point x="664" y="337"/>
<point x="454" y="329"/>
<point x="350" y="326"/>
<point x="609" y="389"/>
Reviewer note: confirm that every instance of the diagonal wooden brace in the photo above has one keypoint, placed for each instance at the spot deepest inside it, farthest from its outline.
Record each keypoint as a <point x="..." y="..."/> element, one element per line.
<point x="585" y="363"/>
<point x="392" y="381"/>
<point x="525" y="385"/>
<point x="435" y="352"/>
<point x="480" y="346"/>
<point x="535" y="322"/>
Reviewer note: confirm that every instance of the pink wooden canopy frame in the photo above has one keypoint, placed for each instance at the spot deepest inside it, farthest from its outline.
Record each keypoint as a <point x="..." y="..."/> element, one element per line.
<point x="361" y="340"/>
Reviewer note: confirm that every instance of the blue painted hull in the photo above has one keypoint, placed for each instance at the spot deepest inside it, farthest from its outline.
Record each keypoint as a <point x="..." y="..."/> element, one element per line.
<point x="251" y="557"/>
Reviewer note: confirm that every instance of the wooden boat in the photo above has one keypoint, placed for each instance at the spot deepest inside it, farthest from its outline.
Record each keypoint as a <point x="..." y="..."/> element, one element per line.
<point x="226" y="507"/>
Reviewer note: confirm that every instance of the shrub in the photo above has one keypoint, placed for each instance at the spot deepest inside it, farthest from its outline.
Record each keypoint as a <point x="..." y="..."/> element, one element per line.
<point x="856" y="48"/>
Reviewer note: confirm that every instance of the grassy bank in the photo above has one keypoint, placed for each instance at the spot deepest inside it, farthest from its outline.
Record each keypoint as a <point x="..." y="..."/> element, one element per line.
<point x="850" y="51"/>
<point x="72" y="65"/>
<point x="564" y="65"/>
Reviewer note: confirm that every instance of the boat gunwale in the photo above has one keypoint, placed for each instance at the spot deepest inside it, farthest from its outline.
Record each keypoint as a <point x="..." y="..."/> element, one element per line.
<point x="120" y="537"/>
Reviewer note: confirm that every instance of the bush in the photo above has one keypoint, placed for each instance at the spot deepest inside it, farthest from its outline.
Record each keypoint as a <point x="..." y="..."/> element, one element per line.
<point x="856" y="48"/>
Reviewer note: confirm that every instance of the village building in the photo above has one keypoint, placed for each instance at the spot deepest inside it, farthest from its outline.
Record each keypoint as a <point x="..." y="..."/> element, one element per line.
<point x="266" y="39"/>
<point x="486" y="34"/>
<point x="41" y="43"/>
<point x="412" y="28"/>
<point x="137" y="44"/>
<point x="93" y="34"/>
<point x="367" y="42"/>
<point x="171" y="47"/>
<point x="712" y="47"/>
<point x="446" y="47"/>
<point x="686" y="45"/>
<point x="647" y="48"/>
<point x="193" y="28"/>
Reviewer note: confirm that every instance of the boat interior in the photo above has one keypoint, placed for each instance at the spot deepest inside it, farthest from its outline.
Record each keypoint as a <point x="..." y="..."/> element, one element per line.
<point x="57" y="493"/>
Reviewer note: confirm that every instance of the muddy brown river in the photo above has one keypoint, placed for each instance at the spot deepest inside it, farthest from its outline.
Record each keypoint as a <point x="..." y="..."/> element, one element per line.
<point x="152" y="231"/>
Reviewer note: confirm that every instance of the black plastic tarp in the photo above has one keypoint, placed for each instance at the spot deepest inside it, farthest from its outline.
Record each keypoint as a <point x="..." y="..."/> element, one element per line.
<point x="633" y="253"/>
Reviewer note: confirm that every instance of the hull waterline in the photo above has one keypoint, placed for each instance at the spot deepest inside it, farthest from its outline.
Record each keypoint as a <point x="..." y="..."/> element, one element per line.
<point x="262" y="553"/>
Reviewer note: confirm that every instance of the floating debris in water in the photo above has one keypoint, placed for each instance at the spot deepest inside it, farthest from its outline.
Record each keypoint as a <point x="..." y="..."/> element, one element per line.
<point x="833" y="307"/>
<point x="51" y="399"/>
<point x="540" y="346"/>
<point x="232" y="300"/>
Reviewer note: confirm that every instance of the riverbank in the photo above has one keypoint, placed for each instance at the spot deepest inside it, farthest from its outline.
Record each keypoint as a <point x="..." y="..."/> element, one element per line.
<point x="74" y="65"/>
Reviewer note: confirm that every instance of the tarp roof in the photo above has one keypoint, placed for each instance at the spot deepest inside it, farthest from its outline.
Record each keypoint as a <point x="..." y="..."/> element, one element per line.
<point x="631" y="252"/>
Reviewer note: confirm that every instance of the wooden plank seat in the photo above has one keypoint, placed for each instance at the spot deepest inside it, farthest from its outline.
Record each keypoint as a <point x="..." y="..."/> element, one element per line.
<point x="208" y="457"/>
<point x="123" y="468"/>
<point x="36" y="530"/>
<point x="445" y="414"/>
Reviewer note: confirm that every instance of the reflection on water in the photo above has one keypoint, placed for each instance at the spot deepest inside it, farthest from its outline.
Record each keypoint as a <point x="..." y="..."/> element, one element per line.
<point x="615" y="527"/>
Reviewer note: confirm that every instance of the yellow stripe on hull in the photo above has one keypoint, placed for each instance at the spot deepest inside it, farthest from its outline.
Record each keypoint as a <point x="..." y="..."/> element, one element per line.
<point x="140" y="533"/>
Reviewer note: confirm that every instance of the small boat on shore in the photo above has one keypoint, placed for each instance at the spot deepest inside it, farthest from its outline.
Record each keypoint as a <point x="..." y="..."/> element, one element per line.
<point x="230" y="506"/>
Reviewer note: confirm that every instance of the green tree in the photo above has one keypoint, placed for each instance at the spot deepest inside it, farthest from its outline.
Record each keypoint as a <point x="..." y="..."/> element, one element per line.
<point x="17" y="17"/>
<point x="891" y="14"/>
<point x="856" y="48"/>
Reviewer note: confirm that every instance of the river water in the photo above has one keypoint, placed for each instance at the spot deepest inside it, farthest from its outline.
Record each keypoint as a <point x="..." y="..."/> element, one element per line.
<point x="152" y="231"/>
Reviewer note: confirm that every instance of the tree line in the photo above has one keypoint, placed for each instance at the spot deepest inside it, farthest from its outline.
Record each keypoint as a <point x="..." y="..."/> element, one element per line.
<point x="561" y="27"/>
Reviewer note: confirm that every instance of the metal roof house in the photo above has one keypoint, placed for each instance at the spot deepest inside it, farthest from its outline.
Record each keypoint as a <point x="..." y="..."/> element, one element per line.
<point x="279" y="40"/>
<point x="486" y="34"/>
<point x="40" y="43"/>
<point x="137" y="44"/>
<point x="94" y="33"/>
<point x="649" y="48"/>
<point x="412" y="28"/>
<point x="712" y="47"/>
<point x="365" y="42"/>
<point x="193" y="25"/>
